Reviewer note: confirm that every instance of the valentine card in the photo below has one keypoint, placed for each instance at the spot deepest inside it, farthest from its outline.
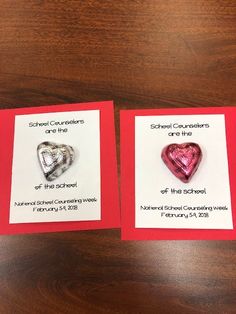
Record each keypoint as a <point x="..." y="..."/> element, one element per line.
<point x="177" y="173"/>
<point x="58" y="168"/>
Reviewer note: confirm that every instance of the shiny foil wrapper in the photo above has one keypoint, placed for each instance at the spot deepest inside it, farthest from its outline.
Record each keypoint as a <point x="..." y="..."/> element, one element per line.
<point x="182" y="159"/>
<point x="54" y="159"/>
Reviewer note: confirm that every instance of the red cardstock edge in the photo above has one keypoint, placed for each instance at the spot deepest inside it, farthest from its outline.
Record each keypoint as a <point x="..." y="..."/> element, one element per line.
<point x="127" y="135"/>
<point x="110" y="211"/>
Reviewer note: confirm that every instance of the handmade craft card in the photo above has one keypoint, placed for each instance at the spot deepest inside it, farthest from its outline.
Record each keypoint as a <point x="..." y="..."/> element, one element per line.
<point x="58" y="168"/>
<point x="178" y="173"/>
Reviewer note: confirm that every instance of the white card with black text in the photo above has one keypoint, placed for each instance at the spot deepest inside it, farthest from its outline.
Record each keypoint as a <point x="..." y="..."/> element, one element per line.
<point x="164" y="201"/>
<point x="73" y="195"/>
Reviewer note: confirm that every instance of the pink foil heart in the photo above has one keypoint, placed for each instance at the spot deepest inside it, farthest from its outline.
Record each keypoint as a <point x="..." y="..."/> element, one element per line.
<point x="182" y="159"/>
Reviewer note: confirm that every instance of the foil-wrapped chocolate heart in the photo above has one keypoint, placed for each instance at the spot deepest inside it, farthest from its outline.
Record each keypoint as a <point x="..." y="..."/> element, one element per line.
<point x="182" y="159"/>
<point x="54" y="159"/>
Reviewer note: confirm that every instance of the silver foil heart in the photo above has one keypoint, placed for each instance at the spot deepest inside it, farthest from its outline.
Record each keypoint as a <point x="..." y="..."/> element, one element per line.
<point x="54" y="159"/>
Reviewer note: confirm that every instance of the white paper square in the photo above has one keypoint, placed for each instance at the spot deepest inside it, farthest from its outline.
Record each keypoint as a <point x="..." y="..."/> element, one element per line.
<point x="83" y="200"/>
<point x="152" y="176"/>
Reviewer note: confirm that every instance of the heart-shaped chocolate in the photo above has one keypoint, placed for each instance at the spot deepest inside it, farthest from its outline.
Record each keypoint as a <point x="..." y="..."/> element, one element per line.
<point x="54" y="159"/>
<point x="182" y="159"/>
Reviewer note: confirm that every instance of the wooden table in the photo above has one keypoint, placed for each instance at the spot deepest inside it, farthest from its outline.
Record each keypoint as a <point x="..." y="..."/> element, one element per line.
<point x="141" y="54"/>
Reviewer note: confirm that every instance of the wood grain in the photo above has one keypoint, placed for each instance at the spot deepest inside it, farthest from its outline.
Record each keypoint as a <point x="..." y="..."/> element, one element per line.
<point x="141" y="54"/>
